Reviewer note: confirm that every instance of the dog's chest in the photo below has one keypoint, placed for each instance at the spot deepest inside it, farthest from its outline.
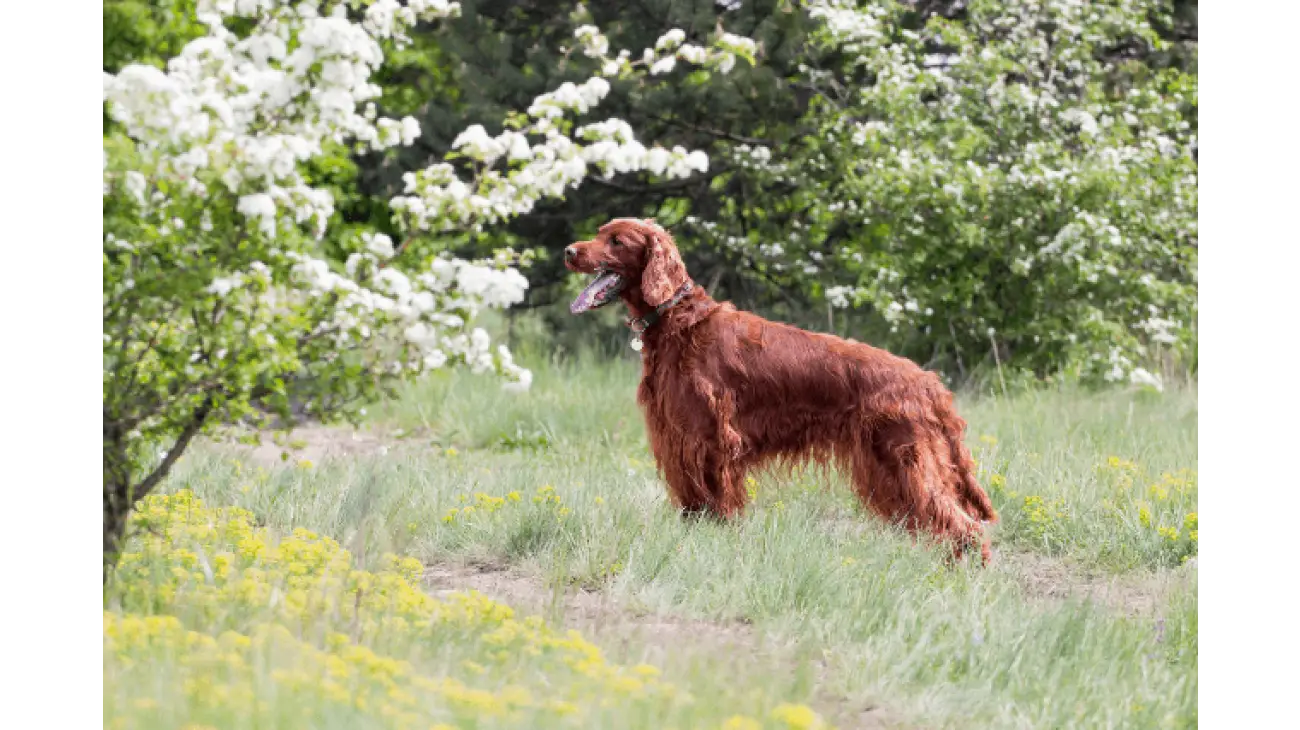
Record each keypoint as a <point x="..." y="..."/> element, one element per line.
<point x="666" y="386"/>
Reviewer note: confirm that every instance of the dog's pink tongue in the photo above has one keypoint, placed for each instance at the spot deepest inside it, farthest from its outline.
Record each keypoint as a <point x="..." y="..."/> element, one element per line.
<point x="587" y="298"/>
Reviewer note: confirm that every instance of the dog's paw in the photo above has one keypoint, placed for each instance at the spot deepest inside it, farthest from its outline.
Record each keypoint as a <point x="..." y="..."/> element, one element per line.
<point x="732" y="443"/>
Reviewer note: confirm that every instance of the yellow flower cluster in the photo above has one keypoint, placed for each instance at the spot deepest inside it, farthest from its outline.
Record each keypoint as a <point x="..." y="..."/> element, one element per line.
<point x="1044" y="517"/>
<point x="480" y="504"/>
<point x="1170" y="536"/>
<point x="1179" y="483"/>
<point x="1121" y="464"/>
<point x="1160" y="508"/>
<point x="791" y="717"/>
<point x="210" y="620"/>
<point x="1123" y="471"/>
<point x="1183" y="542"/>
<point x="272" y="671"/>
<point x="546" y="495"/>
<point x="998" y="486"/>
<point x="798" y="717"/>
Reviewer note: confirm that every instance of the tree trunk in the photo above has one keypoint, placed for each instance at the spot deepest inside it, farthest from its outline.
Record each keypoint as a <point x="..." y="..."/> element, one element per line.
<point x="117" y="502"/>
<point x="114" y="527"/>
<point x="121" y="491"/>
<point x="112" y="495"/>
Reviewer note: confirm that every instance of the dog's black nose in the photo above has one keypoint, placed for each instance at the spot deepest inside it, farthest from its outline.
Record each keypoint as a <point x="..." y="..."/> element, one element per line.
<point x="570" y="253"/>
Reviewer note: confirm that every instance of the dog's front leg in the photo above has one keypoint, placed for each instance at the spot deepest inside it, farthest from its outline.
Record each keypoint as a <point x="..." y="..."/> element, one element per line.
<point x="720" y="403"/>
<point x="700" y="483"/>
<point x="725" y="469"/>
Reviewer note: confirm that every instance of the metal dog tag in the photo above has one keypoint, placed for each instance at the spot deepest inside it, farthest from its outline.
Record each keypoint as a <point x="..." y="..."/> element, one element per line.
<point x="636" y="343"/>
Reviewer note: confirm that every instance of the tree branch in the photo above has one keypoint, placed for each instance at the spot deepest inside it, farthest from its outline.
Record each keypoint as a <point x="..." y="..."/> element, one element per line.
<point x="714" y="132"/>
<point x="124" y="376"/>
<point x="648" y="189"/>
<point x="199" y="417"/>
<point x="400" y="248"/>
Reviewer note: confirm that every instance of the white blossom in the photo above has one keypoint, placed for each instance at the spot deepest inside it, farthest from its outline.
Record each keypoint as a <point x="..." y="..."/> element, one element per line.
<point x="663" y="65"/>
<point x="670" y="40"/>
<point x="1141" y="376"/>
<point x="246" y="109"/>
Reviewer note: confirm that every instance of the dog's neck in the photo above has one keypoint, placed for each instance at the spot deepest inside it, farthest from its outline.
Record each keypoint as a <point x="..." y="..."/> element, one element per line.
<point x="688" y="297"/>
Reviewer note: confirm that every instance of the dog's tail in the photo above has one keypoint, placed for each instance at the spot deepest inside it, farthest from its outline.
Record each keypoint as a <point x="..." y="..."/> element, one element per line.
<point x="974" y="498"/>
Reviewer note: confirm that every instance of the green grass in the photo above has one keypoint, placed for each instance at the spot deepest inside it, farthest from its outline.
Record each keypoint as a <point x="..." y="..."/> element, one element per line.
<point x="1057" y="446"/>
<point x="842" y="612"/>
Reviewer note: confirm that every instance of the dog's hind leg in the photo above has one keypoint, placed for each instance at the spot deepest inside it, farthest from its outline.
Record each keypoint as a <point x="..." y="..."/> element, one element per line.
<point x="961" y="474"/>
<point x="895" y="473"/>
<point x="728" y="482"/>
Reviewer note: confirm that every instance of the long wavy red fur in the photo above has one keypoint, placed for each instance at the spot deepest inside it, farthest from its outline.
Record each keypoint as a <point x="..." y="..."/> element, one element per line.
<point x="725" y="391"/>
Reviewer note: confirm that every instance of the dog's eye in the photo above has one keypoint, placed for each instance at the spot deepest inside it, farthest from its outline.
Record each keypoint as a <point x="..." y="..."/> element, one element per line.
<point x="613" y="241"/>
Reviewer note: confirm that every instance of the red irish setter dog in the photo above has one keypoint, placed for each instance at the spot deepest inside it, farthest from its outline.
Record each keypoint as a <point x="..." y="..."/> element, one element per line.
<point x="725" y="391"/>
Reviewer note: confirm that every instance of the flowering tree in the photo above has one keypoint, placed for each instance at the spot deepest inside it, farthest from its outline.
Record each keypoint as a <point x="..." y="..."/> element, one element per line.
<point x="217" y="303"/>
<point x="833" y="166"/>
<point x="1017" y="186"/>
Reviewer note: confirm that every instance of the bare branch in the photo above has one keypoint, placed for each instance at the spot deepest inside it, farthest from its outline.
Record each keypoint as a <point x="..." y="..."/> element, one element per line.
<point x="714" y="132"/>
<point x="400" y="248"/>
<point x="649" y="189"/>
<point x="197" y="419"/>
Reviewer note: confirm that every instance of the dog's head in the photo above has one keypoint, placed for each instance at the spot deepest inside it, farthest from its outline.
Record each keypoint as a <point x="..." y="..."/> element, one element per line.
<point x="629" y="256"/>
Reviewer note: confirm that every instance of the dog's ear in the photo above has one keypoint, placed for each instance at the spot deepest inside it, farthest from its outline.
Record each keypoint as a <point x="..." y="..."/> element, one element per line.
<point x="664" y="271"/>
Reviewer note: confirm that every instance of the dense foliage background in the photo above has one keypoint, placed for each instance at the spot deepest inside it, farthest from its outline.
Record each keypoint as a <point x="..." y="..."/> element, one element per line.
<point x="960" y="180"/>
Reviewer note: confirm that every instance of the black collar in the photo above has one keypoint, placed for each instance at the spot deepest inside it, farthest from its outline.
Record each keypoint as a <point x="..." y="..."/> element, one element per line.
<point x="641" y="324"/>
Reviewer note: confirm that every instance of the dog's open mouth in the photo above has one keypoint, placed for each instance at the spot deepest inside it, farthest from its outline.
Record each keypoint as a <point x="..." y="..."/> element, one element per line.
<point x="601" y="291"/>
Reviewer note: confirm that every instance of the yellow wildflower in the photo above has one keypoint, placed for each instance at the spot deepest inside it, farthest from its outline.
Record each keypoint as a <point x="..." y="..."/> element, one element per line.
<point x="295" y="614"/>
<point x="740" y="722"/>
<point x="798" y="717"/>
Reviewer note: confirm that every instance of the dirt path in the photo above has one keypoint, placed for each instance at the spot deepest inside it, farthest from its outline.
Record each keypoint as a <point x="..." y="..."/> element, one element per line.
<point x="316" y="443"/>
<point x="1138" y="593"/>
<point x="631" y="635"/>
